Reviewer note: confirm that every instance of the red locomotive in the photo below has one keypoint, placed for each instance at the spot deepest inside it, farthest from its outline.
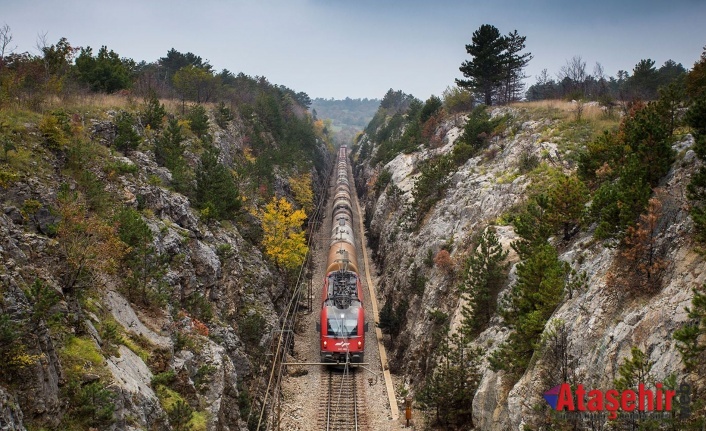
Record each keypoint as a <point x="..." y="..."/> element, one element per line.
<point x="342" y="325"/>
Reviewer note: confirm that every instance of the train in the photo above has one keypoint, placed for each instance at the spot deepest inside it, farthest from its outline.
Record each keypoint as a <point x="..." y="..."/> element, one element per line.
<point x="342" y="325"/>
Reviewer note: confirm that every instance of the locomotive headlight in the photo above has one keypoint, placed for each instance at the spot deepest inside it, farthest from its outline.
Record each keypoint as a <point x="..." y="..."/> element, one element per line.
<point x="360" y="344"/>
<point x="325" y="343"/>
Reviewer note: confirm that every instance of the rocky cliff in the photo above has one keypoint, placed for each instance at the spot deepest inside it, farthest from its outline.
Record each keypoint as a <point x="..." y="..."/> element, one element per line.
<point x="602" y="324"/>
<point x="184" y="346"/>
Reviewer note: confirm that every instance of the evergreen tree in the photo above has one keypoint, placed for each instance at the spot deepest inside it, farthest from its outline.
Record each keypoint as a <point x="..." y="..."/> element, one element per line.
<point x="486" y="70"/>
<point x="106" y="71"/>
<point x="695" y="80"/>
<point x="153" y="111"/>
<point x="216" y="192"/>
<point x="644" y="80"/>
<point x="515" y="62"/>
<point x="484" y="277"/>
<point x="431" y="107"/>
<point x="567" y="198"/>
<point x="696" y="119"/>
<point x="450" y="389"/>
<point x="198" y="120"/>
<point x="142" y="263"/>
<point x="528" y="307"/>
<point x="126" y="138"/>
<point x="169" y="147"/>
<point x="169" y="152"/>
<point x="224" y="115"/>
<point x="533" y="226"/>
<point x="690" y="337"/>
<point x="180" y="416"/>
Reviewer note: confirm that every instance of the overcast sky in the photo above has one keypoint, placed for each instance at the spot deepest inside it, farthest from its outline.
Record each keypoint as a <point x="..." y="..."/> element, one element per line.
<point x="362" y="48"/>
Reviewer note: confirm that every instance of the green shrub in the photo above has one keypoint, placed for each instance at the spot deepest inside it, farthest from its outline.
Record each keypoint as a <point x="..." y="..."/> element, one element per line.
<point x="527" y="162"/>
<point x="56" y="136"/>
<point x="430" y="185"/>
<point x="120" y="168"/>
<point x="198" y="120"/>
<point x="126" y="138"/>
<point x="479" y="129"/>
<point x="251" y="329"/>
<point x="223" y="115"/>
<point x="153" y="112"/>
<point x="165" y="379"/>
<point x="382" y="181"/>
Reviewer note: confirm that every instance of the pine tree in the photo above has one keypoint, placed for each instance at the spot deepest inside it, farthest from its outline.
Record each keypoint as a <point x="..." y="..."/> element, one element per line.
<point x="142" y="263"/>
<point x="450" y="389"/>
<point x="485" y="275"/>
<point x="126" y="138"/>
<point x="169" y="148"/>
<point x="533" y="226"/>
<point x="198" y="120"/>
<point x="153" y="111"/>
<point x="169" y="152"/>
<point x="486" y="70"/>
<point x="690" y="343"/>
<point x="514" y="64"/>
<point x="567" y="199"/>
<point x="223" y="115"/>
<point x="216" y="192"/>
<point x="696" y="118"/>
<point x="531" y="302"/>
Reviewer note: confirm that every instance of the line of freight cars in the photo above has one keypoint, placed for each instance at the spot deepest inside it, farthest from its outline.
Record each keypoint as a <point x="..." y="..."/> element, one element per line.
<point x="342" y="325"/>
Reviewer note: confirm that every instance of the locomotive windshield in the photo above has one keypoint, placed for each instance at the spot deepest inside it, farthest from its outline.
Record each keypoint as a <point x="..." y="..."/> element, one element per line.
<point x="341" y="328"/>
<point x="342" y="323"/>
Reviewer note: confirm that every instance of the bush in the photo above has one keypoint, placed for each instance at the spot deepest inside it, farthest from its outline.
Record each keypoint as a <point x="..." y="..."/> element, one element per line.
<point x="382" y="181"/>
<point x="223" y="115"/>
<point x="392" y="319"/>
<point x="479" y="128"/>
<point x="126" y="138"/>
<point x="431" y="184"/>
<point x="527" y="162"/>
<point x="55" y="133"/>
<point x="457" y="100"/>
<point x="153" y="113"/>
<point x="443" y="261"/>
<point x="166" y="378"/>
<point x="198" y="120"/>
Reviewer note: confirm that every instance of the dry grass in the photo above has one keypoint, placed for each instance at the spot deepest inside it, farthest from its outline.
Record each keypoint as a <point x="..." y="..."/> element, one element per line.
<point x="92" y="102"/>
<point x="564" y="109"/>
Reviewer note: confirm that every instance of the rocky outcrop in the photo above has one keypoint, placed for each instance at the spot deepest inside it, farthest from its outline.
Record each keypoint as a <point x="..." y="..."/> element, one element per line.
<point x="10" y="413"/>
<point x="602" y="326"/>
<point x="209" y="268"/>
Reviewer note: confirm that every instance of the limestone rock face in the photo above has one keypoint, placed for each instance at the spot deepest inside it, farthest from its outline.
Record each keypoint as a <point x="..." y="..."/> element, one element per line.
<point x="602" y="327"/>
<point x="10" y="414"/>
<point x="135" y="396"/>
<point x="209" y="278"/>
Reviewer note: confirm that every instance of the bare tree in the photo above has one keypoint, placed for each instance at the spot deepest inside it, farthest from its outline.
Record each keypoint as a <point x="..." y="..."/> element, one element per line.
<point x="5" y="41"/>
<point x="598" y="72"/>
<point x="573" y="75"/>
<point x="574" y="69"/>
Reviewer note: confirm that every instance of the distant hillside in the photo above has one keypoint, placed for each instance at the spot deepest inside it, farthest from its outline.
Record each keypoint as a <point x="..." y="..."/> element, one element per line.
<point x="348" y="116"/>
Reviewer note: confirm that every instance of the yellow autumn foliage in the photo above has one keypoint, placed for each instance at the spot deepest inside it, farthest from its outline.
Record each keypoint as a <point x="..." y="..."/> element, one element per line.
<point x="303" y="192"/>
<point x="283" y="238"/>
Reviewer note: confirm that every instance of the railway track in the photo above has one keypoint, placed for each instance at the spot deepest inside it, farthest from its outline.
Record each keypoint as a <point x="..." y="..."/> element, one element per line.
<point x="342" y="401"/>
